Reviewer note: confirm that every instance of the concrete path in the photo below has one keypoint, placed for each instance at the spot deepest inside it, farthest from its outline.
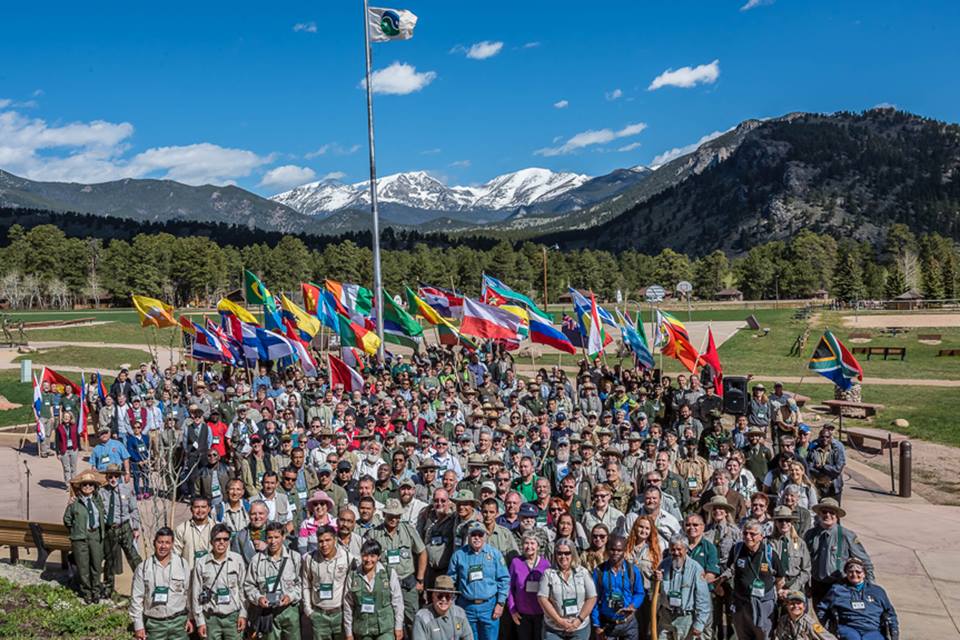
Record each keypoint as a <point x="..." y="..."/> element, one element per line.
<point x="915" y="547"/>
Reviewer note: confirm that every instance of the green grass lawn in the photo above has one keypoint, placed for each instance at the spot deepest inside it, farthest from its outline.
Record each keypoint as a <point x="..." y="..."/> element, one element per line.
<point x="87" y="357"/>
<point x="15" y="391"/>
<point x="114" y="332"/>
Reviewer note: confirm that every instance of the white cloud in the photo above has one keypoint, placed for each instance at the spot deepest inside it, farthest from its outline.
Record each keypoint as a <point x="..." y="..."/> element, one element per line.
<point x="431" y="152"/>
<point x="334" y="175"/>
<point x="630" y="147"/>
<point x="686" y="77"/>
<point x="97" y="151"/>
<point x="616" y="94"/>
<point x="4" y="103"/>
<point x="460" y="164"/>
<point x="289" y="175"/>
<point x="561" y="104"/>
<point x="480" y="50"/>
<point x="884" y="105"/>
<point x="592" y="137"/>
<point x="676" y="152"/>
<point x="306" y="27"/>
<point x="531" y="45"/>
<point x="399" y="79"/>
<point x="753" y="4"/>
<point x="202" y="163"/>
<point x="333" y="148"/>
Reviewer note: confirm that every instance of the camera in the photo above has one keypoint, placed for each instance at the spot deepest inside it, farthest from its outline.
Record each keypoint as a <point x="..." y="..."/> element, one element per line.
<point x="206" y="596"/>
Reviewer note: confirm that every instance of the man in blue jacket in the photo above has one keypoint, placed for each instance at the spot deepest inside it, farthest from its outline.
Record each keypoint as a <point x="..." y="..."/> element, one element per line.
<point x="481" y="577"/>
<point x="619" y="594"/>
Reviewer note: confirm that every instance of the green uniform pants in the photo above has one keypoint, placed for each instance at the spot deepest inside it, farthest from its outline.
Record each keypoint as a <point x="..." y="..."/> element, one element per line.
<point x="115" y="540"/>
<point x="383" y="636"/>
<point x="286" y="625"/>
<point x="222" y="628"/>
<point x="88" y="554"/>
<point x="411" y="604"/>
<point x="327" y="626"/>
<point x="172" y="629"/>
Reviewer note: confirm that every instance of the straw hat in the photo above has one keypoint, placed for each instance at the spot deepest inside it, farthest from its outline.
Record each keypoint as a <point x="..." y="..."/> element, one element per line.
<point x="443" y="584"/>
<point x="829" y="504"/>
<point x="85" y="476"/>
<point x="720" y="502"/>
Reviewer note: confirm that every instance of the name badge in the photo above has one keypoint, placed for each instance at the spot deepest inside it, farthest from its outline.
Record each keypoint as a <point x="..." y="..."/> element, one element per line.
<point x="69" y="443"/>
<point x="475" y="573"/>
<point x="216" y="439"/>
<point x="757" y="589"/>
<point x="141" y="449"/>
<point x="674" y="599"/>
<point x="692" y="483"/>
<point x="216" y="492"/>
<point x="302" y="495"/>
<point x="533" y="586"/>
<point x="270" y="582"/>
<point x="436" y="541"/>
<point x="741" y="563"/>
<point x="859" y="606"/>
<point x="199" y="554"/>
<point x="104" y="459"/>
<point x="223" y="595"/>
<point x="393" y="556"/>
<point x="161" y="595"/>
<point x="570" y="607"/>
<point x="367" y="605"/>
<point x="457" y="541"/>
<point x="325" y="591"/>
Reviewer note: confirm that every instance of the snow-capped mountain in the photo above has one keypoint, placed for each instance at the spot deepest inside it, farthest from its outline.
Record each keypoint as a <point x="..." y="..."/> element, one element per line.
<point x="419" y="190"/>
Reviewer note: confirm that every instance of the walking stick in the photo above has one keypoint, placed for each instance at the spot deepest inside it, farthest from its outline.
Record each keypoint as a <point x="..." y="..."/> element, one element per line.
<point x="653" y="609"/>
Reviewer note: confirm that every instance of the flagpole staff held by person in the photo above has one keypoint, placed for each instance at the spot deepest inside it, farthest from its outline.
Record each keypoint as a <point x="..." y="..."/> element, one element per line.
<point x="29" y="473"/>
<point x="387" y="24"/>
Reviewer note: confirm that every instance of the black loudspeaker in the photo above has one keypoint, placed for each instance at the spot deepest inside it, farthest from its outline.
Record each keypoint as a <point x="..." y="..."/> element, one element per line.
<point x="735" y="395"/>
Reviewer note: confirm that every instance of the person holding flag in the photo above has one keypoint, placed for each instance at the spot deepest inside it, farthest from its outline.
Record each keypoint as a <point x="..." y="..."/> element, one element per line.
<point x="47" y="409"/>
<point x="66" y="442"/>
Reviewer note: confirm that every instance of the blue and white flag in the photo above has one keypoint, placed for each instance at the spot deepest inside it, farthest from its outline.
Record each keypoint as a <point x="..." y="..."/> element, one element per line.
<point x="37" y="408"/>
<point x="273" y="346"/>
<point x="385" y="25"/>
<point x="581" y="304"/>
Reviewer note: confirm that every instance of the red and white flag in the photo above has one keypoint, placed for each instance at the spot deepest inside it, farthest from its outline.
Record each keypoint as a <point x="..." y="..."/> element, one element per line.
<point x="486" y="321"/>
<point x="341" y="373"/>
<point x="711" y="358"/>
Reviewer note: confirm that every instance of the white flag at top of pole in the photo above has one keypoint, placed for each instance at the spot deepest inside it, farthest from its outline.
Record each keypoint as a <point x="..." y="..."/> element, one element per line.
<point x="390" y="24"/>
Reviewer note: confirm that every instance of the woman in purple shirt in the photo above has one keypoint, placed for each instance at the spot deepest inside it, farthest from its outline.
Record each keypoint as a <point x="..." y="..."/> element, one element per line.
<point x="525" y="574"/>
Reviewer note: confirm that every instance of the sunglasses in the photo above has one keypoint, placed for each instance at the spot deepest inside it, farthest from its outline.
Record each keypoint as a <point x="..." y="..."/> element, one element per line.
<point x="563" y="553"/>
<point x="444" y="596"/>
<point x="221" y="539"/>
<point x="599" y="536"/>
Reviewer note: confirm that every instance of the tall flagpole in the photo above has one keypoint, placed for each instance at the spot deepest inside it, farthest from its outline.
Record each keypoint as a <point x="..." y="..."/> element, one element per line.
<point x="377" y="281"/>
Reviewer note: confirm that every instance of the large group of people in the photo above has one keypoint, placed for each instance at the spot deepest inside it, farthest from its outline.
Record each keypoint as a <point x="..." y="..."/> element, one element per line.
<point x="453" y="498"/>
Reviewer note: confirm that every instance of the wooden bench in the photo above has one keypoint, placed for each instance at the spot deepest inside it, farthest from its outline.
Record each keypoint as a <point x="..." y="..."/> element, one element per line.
<point x="932" y="337"/>
<point x="885" y="439"/>
<point x="886" y="352"/>
<point x="45" y="537"/>
<point x="948" y="352"/>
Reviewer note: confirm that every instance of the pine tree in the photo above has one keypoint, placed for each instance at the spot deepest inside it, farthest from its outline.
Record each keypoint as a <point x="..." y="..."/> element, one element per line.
<point x="848" y="276"/>
<point x="932" y="280"/>
<point x="896" y="283"/>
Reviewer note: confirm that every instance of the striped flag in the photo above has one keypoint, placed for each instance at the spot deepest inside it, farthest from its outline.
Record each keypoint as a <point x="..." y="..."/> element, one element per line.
<point x="832" y="360"/>
<point x="595" y="333"/>
<point x="341" y="373"/>
<point x="486" y="321"/>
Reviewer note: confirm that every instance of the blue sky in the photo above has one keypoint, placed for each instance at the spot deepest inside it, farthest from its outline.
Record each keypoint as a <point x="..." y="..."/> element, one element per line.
<point x="239" y="93"/>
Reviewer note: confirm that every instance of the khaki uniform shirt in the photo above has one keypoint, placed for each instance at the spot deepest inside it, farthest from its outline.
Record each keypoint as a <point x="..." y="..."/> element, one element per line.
<point x="399" y="549"/>
<point x="226" y="588"/>
<point x="159" y="591"/>
<point x="262" y="574"/>
<point x="124" y="505"/>
<point x="427" y="625"/>
<point x="353" y="546"/>
<point x="324" y="580"/>
<point x="191" y="542"/>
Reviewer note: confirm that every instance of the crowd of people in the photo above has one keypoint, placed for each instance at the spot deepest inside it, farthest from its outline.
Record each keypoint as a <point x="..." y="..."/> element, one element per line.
<point x="453" y="498"/>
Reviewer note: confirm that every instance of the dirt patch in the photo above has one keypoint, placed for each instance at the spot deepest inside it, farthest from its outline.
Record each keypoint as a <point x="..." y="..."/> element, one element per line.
<point x="904" y="320"/>
<point x="936" y="475"/>
<point x="6" y="405"/>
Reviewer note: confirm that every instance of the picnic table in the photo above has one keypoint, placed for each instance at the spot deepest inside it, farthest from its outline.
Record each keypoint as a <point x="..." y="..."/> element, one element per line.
<point x="886" y="352"/>
<point x="895" y="331"/>
<point x="837" y="407"/>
